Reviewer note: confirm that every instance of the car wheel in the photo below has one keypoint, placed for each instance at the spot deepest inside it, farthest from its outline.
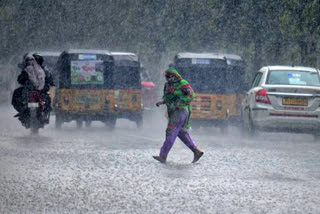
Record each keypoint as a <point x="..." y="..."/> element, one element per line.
<point x="251" y="128"/>
<point x="247" y="128"/>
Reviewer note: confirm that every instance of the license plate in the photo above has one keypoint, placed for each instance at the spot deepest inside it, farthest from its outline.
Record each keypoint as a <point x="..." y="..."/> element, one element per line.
<point x="33" y="105"/>
<point x="294" y="101"/>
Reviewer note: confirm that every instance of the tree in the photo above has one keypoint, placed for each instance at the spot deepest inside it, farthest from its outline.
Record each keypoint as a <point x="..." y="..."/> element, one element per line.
<point x="301" y="23"/>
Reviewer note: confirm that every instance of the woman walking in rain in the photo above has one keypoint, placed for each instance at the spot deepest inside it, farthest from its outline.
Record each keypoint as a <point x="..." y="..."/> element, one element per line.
<point x="178" y="95"/>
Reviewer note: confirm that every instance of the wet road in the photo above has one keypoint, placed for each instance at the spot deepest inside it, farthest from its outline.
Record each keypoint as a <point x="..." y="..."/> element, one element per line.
<point x="97" y="171"/>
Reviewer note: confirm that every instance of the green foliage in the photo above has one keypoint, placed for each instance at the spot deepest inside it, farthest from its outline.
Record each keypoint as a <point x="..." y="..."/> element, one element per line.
<point x="300" y="22"/>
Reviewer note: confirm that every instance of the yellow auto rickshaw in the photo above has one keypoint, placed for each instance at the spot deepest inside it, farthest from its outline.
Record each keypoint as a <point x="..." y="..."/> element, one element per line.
<point x="236" y="86"/>
<point x="85" y="89"/>
<point x="127" y="86"/>
<point x="218" y="81"/>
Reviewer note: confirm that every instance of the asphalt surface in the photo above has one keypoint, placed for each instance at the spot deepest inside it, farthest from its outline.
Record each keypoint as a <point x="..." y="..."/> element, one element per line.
<point x="94" y="170"/>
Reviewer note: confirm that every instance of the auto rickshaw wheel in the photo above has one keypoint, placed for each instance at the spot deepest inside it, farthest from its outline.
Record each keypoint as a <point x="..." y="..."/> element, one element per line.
<point x="79" y="124"/>
<point x="139" y="123"/>
<point x="88" y="123"/>
<point x="316" y="137"/>
<point x="225" y="128"/>
<point x="111" y="123"/>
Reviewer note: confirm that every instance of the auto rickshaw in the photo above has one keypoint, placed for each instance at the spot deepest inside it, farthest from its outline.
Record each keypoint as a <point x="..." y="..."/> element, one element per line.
<point x="127" y="86"/>
<point x="236" y="86"/>
<point x="217" y="85"/>
<point x="85" y="88"/>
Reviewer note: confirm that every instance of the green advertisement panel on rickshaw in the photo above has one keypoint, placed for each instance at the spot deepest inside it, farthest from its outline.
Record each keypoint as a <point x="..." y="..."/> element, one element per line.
<point x="217" y="82"/>
<point x="127" y="86"/>
<point x="85" y="88"/>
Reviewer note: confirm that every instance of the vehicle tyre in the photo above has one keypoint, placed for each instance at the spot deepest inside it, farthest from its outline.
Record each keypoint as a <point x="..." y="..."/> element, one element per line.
<point x="79" y="124"/>
<point x="225" y="128"/>
<point x="251" y="128"/>
<point x="34" y="123"/>
<point x="111" y="123"/>
<point x="58" y="122"/>
<point x="34" y="130"/>
<point x="139" y="122"/>
<point x="88" y="123"/>
<point x="316" y="137"/>
<point x="248" y="129"/>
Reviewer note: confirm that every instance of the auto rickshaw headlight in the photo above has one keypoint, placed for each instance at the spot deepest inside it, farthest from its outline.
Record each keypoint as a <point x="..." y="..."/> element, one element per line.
<point x="134" y="98"/>
<point x="219" y="104"/>
<point x="107" y="100"/>
<point x="66" y="100"/>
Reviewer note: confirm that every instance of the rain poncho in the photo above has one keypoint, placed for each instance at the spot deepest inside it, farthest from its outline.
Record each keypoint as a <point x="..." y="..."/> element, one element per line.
<point x="35" y="73"/>
<point x="178" y="95"/>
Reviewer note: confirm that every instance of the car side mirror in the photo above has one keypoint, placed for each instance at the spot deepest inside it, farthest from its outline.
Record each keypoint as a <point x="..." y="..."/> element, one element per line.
<point x="20" y="65"/>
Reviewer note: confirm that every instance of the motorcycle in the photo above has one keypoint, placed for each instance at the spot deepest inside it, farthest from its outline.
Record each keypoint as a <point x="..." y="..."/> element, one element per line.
<point x="35" y="114"/>
<point x="36" y="110"/>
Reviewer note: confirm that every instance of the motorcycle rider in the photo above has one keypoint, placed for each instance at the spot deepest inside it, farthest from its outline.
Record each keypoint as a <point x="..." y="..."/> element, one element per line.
<point x="34" y="76"/>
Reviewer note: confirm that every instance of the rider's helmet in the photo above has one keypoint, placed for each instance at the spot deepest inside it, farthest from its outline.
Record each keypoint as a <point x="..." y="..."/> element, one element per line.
<point x="38" y="58"/>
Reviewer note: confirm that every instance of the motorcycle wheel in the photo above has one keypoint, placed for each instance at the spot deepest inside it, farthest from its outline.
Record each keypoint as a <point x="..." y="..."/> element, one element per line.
<point x="58" y="122"/>
<point x="34" y="123"/>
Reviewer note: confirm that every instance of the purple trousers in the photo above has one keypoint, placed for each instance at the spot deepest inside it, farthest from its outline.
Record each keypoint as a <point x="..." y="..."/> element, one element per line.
<point x="175" y="129"/>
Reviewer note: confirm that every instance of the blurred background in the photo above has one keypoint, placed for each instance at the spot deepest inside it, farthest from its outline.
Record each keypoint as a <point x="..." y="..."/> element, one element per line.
<point x="263" y="32"/>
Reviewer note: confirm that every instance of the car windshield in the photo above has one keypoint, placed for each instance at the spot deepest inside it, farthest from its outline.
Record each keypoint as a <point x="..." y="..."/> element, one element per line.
<point x="290" y="77"/>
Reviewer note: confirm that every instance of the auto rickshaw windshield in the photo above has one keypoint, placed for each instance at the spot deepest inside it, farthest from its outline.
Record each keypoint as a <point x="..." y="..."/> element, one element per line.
<point x="205" y="75"/>
<point x="85" y="71"/>
<point x="126" y="74"/>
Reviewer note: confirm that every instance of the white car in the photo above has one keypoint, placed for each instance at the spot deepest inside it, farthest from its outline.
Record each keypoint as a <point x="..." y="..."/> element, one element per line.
<point x="285" y="99"/>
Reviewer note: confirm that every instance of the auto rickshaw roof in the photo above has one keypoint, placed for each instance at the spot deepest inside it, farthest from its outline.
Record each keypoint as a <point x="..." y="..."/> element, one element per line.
<point x="232" y="56"/>
<point x="87" y="51"/>
<point x="125" y="56"/>
<point x="200" y="55"/>
<point x="46" y="53"/>
<point x="209" y="56"/>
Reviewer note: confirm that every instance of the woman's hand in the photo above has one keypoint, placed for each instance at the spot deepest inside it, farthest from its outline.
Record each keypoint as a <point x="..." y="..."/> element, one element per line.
<point x="159" y="103"/>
